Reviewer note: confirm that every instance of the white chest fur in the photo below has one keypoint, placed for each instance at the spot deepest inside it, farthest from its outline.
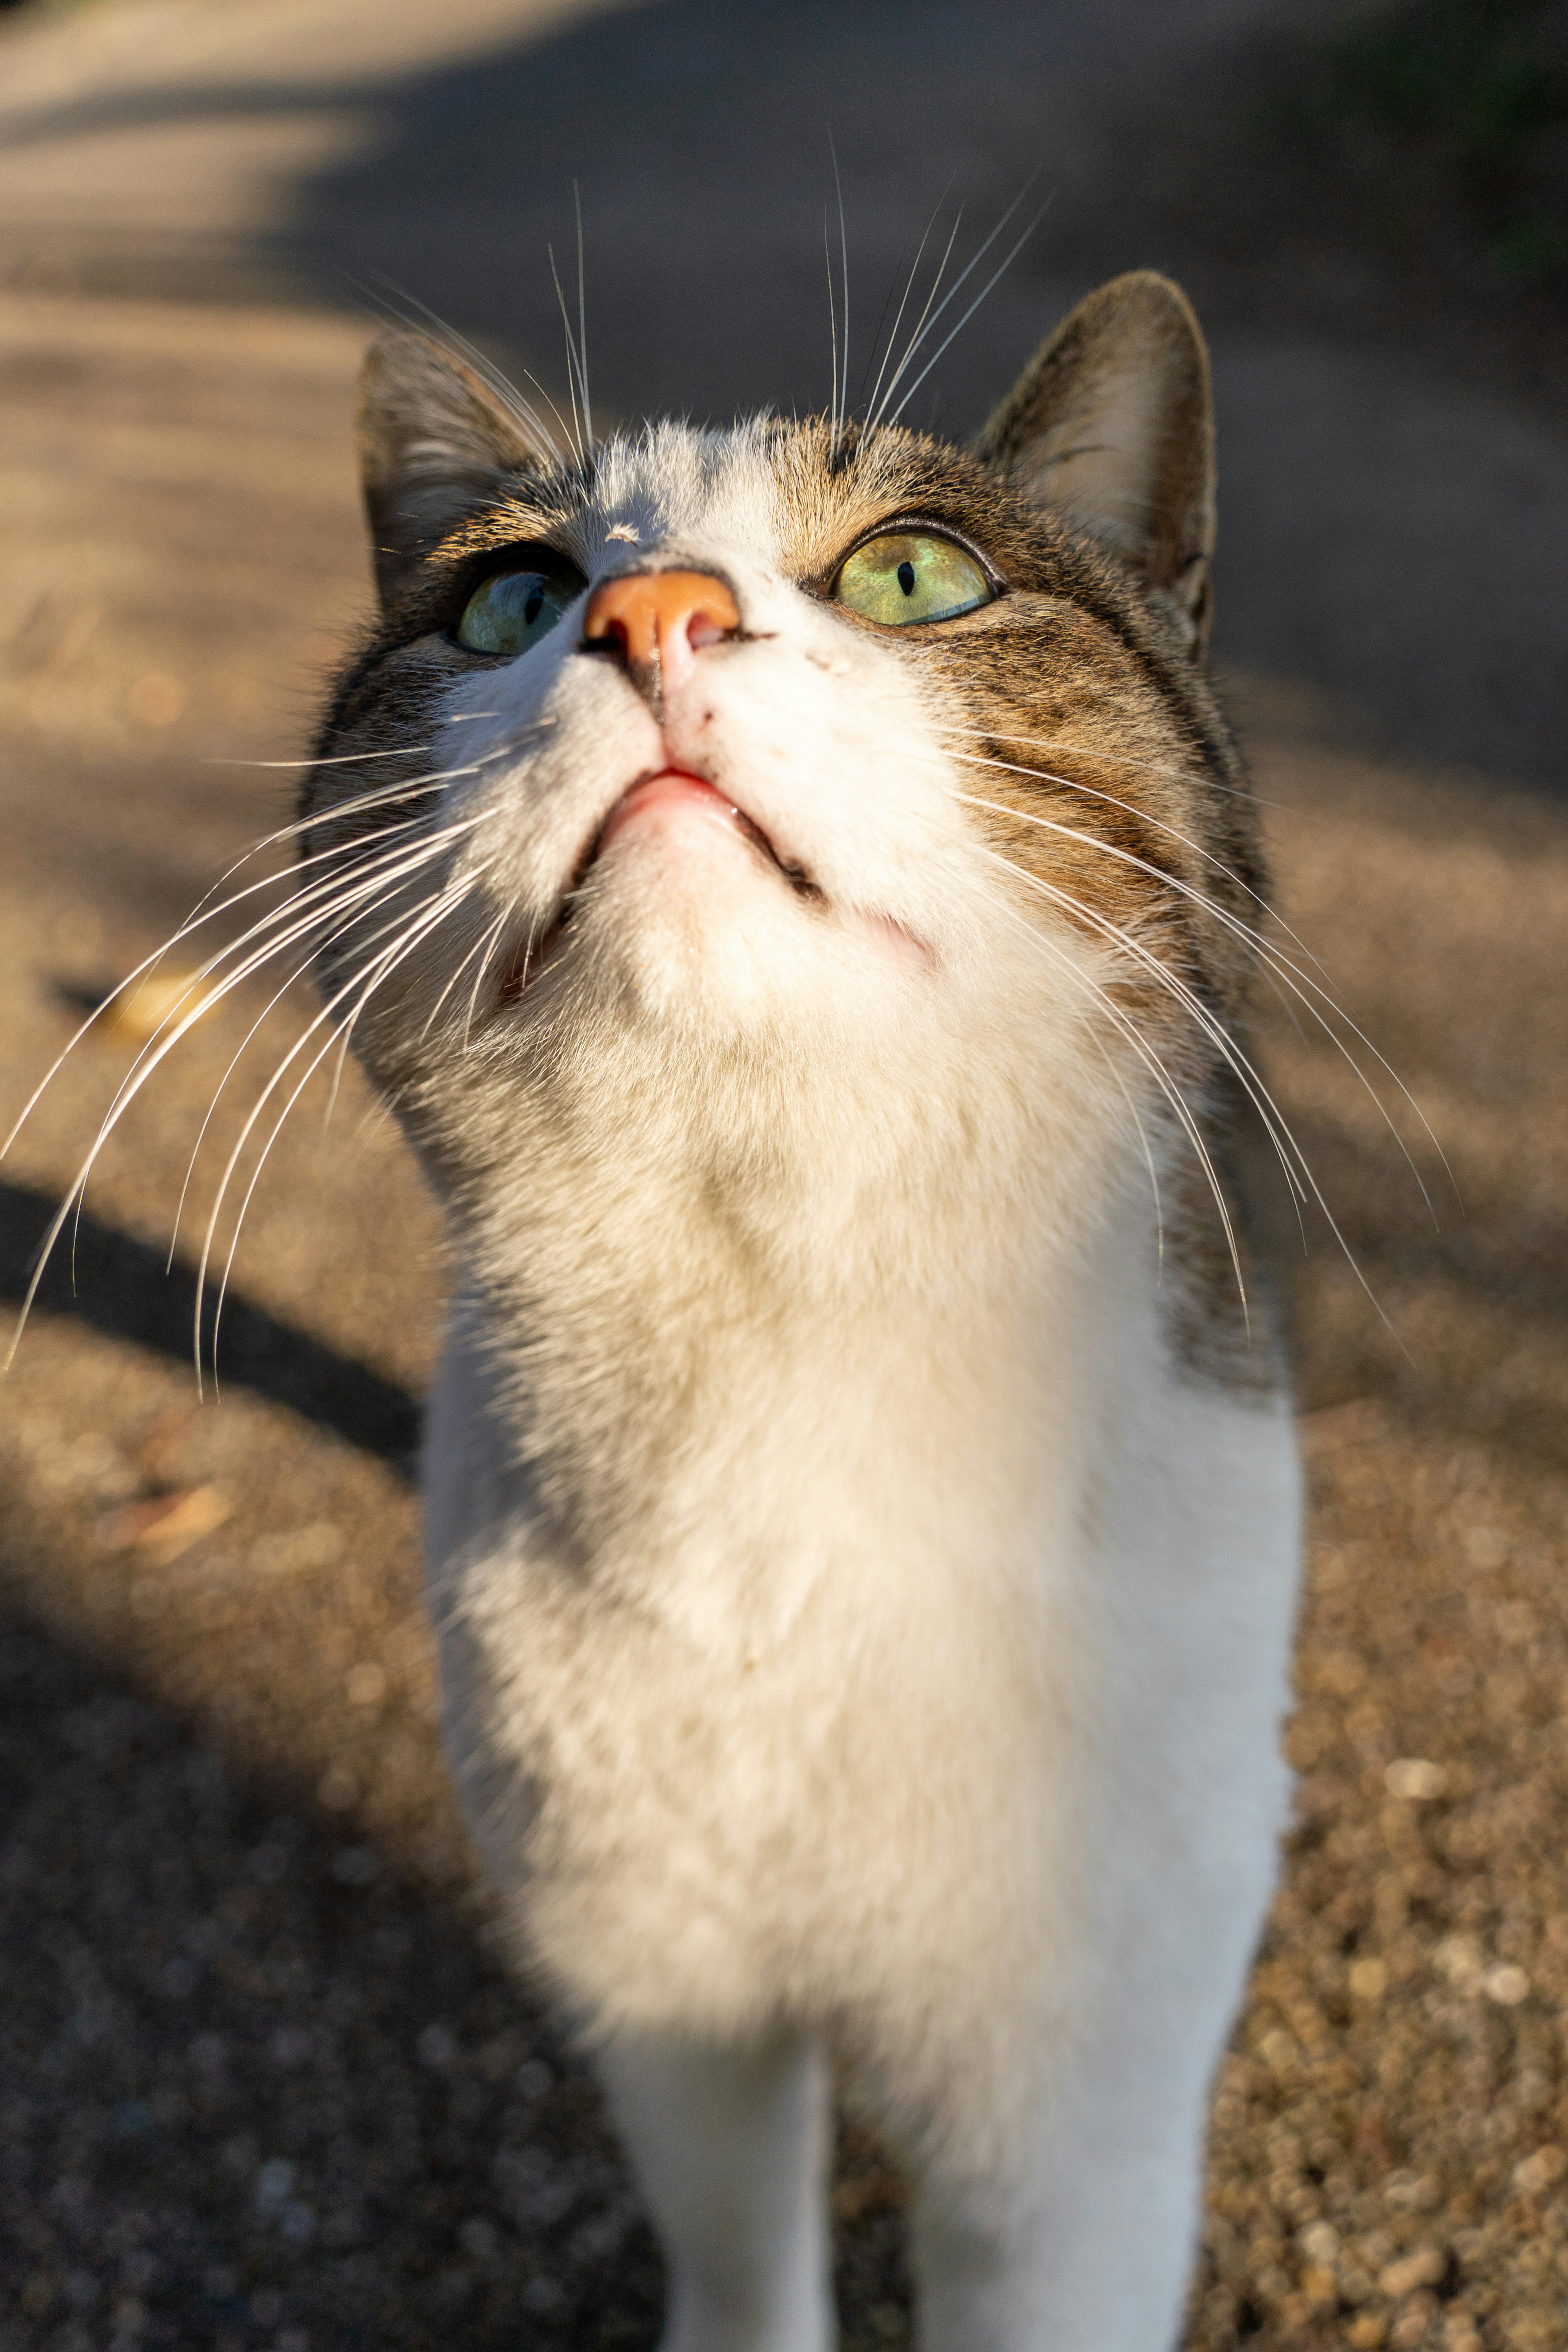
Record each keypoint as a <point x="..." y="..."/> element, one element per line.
<point x="922" y="1673"/>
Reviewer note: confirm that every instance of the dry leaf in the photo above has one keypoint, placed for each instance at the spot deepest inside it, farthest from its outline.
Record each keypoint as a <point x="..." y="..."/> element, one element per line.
<point x="166" y="1525"/>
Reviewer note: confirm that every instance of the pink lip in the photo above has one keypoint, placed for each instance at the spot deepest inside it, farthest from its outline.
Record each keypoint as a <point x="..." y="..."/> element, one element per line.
<point x="672" y="788"/>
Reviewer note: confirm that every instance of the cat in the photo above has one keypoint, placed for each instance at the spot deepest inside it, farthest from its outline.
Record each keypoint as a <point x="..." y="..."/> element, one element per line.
<point x="797" y="891"/>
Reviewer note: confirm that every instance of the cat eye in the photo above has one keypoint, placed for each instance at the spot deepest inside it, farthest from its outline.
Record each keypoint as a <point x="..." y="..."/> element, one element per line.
<point x="911" y="575"/>
<point x="512" y="611"/>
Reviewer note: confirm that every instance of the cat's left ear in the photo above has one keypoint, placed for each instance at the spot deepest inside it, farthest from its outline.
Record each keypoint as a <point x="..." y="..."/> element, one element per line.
<point x="434" y="440"/>
<point x="1112" y="423"/>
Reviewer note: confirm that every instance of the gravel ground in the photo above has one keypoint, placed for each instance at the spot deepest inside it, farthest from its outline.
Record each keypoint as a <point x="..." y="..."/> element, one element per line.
<point x="265" y="2082"/>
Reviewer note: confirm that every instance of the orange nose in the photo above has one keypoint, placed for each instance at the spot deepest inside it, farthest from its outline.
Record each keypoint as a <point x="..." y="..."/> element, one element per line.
<point x="658" y="620"/>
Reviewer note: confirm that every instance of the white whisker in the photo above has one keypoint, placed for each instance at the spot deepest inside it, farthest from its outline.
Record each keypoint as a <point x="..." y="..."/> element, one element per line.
<point x="1202" y="777"/>
<point x="582" y="317"/>
<point x="408" y="940"/>
<point x="840" y="406"/>
<point x="339" y="759"/>
<point x="997" y="274"/>
<point x="1174" y="986"/>
<point x="352" y="907"/>
<point x="913" y="344"/>
<point x="202" y="913"/>
<point x="480" y="950"/>
<point x="904" y="300"/>
<point x="572" y="371"/>
<point x="833" y="335"/>
<point x="1131" y="808"/>
<point x="1128" y="1028"/>
<point x="491" y="375"/>
<point x="1287" y="1150"/>
<point x="929" y="317"/>
<point x="1277" y="965"/>
<point x="170" y="1033"/>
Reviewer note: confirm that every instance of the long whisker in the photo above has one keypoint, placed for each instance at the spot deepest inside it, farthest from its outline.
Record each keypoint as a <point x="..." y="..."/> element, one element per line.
<point x="386" y="796"/>
<point x="403" y="945"/>
<point x="1210" y="784"/>
<point x="1275" y="1124"/>
<point x="1294" y="978"/>
<point x="843" y="372"/>
<point x="582" y="317"/>
<point x="918" y="329"/>
<point x="202" y="913"/>
<point x="833" y="335"/>
<point x="494" y="931"/>
<point x="172" y="1030"/>
<point x="480" y="951"/>
<point x="369" y="873"/>
<point x="338" y="760"/>
<point x="455" y="892"/>
<point x="572" y="364"/>
<point x="505" y="391"/>
<point x="1257" y="938"/>
<point x="348" y="906"/>
<point x="1092" y="791"/>
<point x="413" y="789"/>
<point x="1128" y="1028"/>
<point x="462" y="885"/>
<point x="1174" y="986"/>
<point x="908" y="290"/>
<point x="926" y="327"/>
<point x="1039" y="941"/>
<point x="997" y="274"/>
<point x="149" y="963"/>
<point x="1277" y="968"/>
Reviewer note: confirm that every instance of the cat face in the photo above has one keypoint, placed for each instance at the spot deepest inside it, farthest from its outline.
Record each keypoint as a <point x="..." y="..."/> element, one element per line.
<point x="848" y="753"/>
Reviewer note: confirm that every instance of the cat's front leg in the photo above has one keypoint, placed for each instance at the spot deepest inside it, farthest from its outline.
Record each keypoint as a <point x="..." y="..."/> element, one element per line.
<point x="731" y="2148"/>
<point x="1089" y="2244"/>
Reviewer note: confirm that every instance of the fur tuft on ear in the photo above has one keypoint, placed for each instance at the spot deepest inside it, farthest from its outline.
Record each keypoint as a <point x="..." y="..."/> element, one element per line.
<point x="1112" y="423"/>
<point x="433" y="438"/>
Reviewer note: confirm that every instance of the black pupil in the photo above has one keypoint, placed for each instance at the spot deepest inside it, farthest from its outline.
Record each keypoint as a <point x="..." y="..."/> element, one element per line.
<point x="532" y="606"/>
<point x="906" y="578"/>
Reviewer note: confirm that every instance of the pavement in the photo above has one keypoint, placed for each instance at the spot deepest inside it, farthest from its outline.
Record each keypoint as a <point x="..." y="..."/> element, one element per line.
<point x="265" y="2079"/>
<point x="1395" y="494"/>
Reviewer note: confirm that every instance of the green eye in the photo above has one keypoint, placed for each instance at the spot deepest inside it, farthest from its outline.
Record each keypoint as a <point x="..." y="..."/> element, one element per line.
<point x="912" y="576"/>
<point x="512" y="611"/>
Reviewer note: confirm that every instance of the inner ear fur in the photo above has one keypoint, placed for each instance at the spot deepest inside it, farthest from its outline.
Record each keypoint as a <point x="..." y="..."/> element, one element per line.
<point x="434" y="440"/>
<point x="1112" y="424"/>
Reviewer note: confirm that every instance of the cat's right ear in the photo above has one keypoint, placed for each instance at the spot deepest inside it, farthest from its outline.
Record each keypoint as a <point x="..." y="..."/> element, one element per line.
<point x="1112" y="423"/>
<point x="434" y="440"/>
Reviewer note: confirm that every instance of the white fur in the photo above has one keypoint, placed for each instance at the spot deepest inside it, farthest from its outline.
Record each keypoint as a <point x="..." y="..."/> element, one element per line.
<point x="860" y="1637"/>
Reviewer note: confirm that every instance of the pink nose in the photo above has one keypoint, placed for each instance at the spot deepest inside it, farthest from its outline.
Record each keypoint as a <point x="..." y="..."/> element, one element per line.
<point x="657" y="621"/>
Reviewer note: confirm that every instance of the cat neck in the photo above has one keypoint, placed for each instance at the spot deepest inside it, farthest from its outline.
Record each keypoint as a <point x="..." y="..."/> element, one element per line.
<point x="704" y="1376"/>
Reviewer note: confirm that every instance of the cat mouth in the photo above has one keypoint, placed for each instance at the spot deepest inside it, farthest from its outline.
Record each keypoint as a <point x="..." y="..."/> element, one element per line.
<point x="678" y="789"/>
<point x="660" y="793"/>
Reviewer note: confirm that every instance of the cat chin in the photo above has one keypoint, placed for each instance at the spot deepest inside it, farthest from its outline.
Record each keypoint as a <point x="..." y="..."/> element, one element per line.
<point x="703" y="931"/>
<point x="685" y="900"/>
<point x="709" y="863"/>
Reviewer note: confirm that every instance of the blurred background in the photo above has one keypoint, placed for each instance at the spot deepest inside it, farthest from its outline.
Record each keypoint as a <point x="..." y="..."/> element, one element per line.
<point x="264" y="2079"/>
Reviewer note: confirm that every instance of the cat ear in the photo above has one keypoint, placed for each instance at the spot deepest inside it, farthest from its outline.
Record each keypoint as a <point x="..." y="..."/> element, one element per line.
<point x="1112" y="423"/>
<point x="433" y="439"/>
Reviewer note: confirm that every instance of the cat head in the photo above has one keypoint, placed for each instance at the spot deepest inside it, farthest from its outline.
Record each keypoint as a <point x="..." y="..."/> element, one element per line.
<point x="800" y="759"/>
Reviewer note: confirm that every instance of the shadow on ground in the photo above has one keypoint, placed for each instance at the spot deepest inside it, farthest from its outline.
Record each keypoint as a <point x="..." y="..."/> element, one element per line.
<point x="120" y="1285"/>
